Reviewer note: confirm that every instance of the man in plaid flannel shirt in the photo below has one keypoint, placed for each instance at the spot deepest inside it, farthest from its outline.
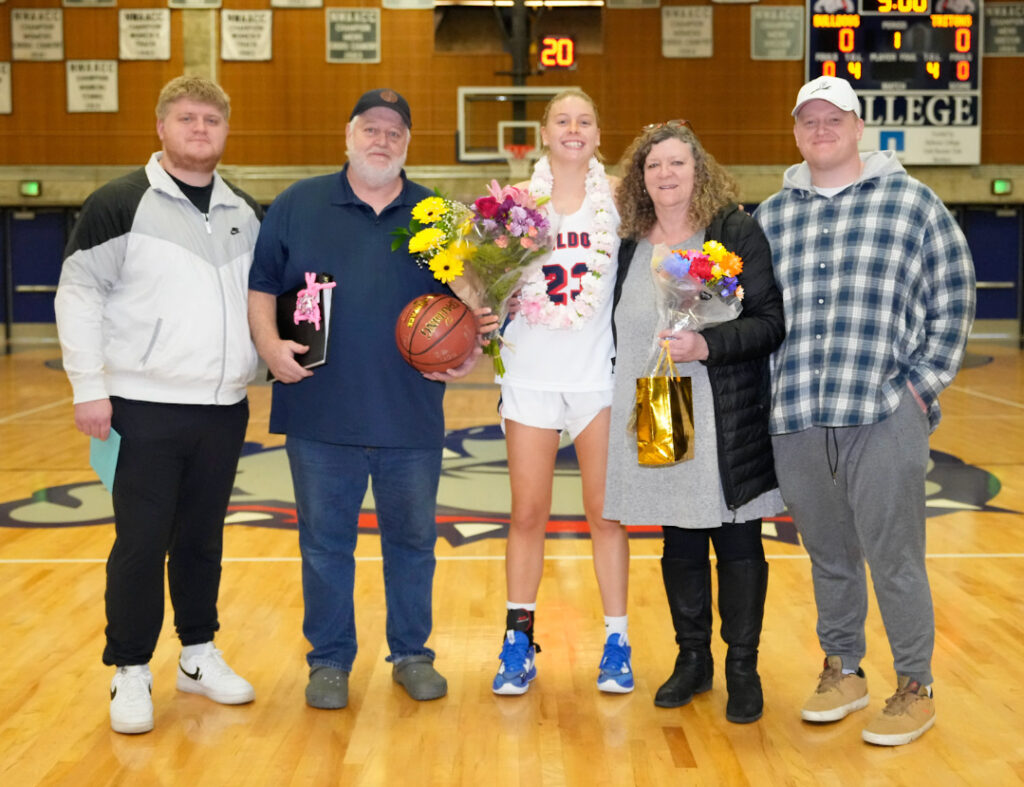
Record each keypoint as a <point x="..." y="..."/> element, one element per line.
<point x="878" y="287"/>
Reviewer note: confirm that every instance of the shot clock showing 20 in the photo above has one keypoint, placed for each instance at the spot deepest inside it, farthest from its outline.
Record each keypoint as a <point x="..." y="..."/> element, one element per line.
<point x="557" y="52"/>
<point x="916" y="65"/>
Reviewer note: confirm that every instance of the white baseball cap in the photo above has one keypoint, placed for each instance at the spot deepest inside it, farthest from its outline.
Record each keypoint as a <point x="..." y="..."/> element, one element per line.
<point x="834" y="90"/>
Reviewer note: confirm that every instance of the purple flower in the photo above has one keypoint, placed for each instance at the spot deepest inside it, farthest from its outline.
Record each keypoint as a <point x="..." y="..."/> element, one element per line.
<point x="518" y="221"/>
<point x="538" y="220"/>
<point x="729" y="285"/>
<point x="676" y="265"/>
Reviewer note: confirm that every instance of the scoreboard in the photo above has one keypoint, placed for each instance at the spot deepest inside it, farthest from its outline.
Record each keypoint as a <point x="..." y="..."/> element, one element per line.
<point x="897" y="44"/>
<point x="916" y="65"/>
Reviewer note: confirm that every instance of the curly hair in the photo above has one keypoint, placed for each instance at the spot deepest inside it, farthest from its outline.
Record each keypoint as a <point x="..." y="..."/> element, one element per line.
<point x="196" y="89"/>
<point x="713" y="186"/>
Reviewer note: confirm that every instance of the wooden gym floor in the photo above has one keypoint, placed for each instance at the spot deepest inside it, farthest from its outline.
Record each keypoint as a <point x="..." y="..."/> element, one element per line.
<point x="55" y="533"/>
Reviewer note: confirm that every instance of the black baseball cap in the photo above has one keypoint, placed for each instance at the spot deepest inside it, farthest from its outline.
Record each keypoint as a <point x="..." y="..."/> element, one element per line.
<point x="383" y="97"/>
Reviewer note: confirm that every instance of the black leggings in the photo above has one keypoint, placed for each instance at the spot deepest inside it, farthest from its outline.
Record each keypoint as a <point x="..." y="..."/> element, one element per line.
<point x="732" y="541"/>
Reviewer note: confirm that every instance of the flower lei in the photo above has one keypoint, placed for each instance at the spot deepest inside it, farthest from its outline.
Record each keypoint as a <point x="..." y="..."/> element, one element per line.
<point x="534" y="302"/>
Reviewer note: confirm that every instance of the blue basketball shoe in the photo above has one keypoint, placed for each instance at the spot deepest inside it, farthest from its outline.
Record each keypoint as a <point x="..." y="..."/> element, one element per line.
<point x="517" y="664"/>
<point x="616" y="674"/>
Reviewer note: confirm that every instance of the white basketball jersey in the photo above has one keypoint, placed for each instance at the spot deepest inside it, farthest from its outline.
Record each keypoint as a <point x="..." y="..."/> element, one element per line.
<point x="542" y="358"/>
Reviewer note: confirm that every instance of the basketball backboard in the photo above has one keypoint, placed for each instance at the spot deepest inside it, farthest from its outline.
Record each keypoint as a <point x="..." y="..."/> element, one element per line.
<point x="501" y="123"/>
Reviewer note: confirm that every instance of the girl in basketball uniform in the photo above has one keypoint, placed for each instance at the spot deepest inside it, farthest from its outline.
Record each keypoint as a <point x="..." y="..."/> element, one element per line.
<point x="558" y="358"/>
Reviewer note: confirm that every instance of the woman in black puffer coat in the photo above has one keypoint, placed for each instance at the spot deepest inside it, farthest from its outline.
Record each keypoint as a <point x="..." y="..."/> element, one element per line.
<point x="674" y="195"/>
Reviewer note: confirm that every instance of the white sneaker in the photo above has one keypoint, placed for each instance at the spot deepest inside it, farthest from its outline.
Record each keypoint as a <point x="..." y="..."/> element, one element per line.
<point x="208" y="674"/>
<point x="131" y="701"/>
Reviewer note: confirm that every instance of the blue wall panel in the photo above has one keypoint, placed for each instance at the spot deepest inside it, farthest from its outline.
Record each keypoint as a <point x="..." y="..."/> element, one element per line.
<point x="37" y="249"/>
<point x="994" y="236"/>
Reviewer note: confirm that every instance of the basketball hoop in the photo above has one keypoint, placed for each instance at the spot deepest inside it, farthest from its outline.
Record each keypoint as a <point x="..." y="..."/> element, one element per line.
<point x="519" y="152"/>
<point x="520" y="160"/>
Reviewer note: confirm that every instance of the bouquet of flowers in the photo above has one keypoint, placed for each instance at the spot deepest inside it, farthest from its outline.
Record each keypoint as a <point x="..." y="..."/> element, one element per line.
<point x="697" y="289"/>
<point x="482" y="252"/>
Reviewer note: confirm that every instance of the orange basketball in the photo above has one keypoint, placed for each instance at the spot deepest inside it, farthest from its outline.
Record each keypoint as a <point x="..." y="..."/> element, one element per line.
<point x="435" y="332"/>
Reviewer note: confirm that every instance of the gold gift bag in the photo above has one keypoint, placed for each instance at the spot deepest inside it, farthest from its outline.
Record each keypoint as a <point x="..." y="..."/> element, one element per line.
<point x="664" y="415"/>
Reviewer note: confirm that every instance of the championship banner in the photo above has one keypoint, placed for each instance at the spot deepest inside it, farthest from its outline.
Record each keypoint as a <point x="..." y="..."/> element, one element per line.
<point x="144" y="33"/>
<point x="37" y="34"/>
<point x="353" y="35"/>
<point x="5" y="88"/>
<point x="686" y="31"/>
<point x="246" y="35"/>
<point x="91" y="85"/>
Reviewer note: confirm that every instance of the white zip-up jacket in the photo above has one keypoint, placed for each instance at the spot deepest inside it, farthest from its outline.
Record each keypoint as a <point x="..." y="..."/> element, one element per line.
<point x="152" y="299"/>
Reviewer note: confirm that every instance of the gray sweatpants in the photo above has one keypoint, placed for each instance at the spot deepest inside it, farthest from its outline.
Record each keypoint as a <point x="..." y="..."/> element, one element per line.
<point x="874" y="510"/>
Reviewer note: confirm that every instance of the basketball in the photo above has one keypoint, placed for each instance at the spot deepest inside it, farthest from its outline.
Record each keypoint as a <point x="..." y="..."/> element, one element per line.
<point x="435" y="332"/>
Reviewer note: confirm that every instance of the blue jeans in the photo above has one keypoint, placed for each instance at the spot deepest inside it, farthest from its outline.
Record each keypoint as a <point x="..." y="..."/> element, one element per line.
<point x="330" y="484"/>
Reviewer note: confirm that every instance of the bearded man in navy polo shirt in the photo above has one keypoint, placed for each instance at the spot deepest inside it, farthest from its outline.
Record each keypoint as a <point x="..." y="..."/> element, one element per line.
<point x="366" y="415"/>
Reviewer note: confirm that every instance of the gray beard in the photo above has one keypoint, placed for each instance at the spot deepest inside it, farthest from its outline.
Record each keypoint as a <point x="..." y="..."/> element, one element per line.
<point x="375" y="177"/>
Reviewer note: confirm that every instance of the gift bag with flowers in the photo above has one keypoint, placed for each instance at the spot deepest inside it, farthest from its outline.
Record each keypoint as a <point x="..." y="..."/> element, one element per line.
<point x="482" y="252"/>
<point x="695" y="289"/>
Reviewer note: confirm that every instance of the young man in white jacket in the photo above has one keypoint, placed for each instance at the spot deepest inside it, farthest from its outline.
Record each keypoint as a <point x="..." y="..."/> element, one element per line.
<point x="152" y="317"/>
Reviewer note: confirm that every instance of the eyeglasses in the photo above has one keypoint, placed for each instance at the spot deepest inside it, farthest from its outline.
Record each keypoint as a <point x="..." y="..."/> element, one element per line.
<point x="678" y="123"/>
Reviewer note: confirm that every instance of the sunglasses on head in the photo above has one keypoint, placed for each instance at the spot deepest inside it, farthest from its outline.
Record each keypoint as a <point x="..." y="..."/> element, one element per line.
<point x="678" y="123"/>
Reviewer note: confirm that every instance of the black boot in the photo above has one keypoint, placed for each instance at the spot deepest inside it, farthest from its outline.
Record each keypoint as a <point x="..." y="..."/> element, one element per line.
<point x="742" y="585"/>
<point x="688" y="587"/>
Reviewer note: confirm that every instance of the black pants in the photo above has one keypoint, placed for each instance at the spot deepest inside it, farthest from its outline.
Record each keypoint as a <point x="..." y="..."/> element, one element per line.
<point x="733" y="541"/>
<point x="175" y="472"/>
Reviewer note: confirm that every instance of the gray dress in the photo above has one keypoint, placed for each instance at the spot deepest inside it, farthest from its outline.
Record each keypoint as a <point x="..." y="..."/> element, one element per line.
<point x="688" y="494"/>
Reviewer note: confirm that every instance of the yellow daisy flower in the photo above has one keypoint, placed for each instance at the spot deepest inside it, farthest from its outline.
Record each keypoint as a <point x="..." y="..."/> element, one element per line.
<point x="424" y="240"/>
<point x="429" y="210"/>
<point x="715" y="251"/>
<point x="460" y="249"/>
<point x="446" y="266"/>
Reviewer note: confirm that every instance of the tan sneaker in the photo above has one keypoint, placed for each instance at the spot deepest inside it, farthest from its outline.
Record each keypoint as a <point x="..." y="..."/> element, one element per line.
<point x="837" y="694"/>
<point x="908" y="714"/>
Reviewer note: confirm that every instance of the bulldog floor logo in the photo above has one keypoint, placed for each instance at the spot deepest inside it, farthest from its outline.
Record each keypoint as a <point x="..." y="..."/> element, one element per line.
<point x="473" y="499"/>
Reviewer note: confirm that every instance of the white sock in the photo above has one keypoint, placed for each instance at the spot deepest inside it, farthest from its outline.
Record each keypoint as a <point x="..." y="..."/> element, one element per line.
<point x="188" y="651"/>
<point x="616" y="625"/>
<point x="517" y="605"/>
